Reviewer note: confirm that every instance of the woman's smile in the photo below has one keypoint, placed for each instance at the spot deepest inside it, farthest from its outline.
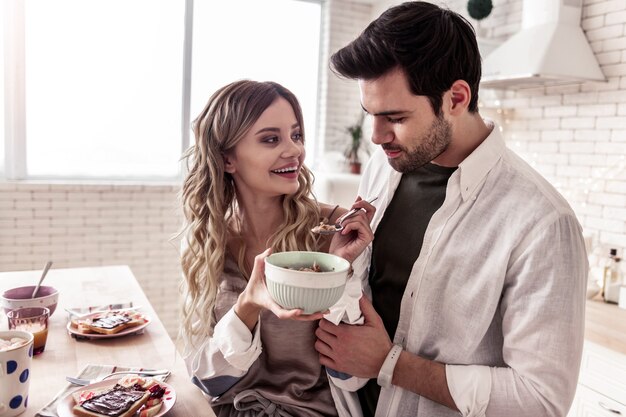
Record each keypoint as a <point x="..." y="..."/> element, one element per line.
<point x="290" y="171"/>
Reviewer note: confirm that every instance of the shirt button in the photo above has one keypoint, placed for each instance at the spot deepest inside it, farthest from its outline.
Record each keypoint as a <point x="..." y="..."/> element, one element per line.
<point x="411" y="294"/>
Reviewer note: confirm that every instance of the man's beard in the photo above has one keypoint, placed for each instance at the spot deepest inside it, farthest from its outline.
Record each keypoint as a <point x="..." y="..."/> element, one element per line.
<point x="429" y="147"/>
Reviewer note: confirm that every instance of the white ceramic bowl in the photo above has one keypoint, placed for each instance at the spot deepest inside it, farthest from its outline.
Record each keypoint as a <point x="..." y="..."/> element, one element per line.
<point x="310" y="291"/>
<point x="20" y="297"/>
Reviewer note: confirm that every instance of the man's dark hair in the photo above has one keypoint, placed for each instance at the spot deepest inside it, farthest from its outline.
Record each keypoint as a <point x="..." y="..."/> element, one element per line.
<point x="433" y="46"/>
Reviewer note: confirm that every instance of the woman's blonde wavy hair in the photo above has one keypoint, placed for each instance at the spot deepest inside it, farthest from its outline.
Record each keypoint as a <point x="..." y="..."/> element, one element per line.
<point x="209" y="199"/>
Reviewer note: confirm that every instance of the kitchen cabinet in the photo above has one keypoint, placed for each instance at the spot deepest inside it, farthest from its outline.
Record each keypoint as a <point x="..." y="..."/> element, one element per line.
<point x="601" y="387"/>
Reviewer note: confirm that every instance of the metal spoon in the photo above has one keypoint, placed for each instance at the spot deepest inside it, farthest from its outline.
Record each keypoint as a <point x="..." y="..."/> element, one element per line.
<point x="43" y="275"/>
<point x="338" y="227"/>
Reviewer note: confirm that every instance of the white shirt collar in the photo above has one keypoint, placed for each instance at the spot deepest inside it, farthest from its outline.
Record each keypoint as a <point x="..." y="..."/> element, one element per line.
<point x="475" y="167"/>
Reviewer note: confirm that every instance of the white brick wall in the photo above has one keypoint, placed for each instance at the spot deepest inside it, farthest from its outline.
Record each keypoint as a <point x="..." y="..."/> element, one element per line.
<point x="581" y="147"/>
<point x="91" y="225"/>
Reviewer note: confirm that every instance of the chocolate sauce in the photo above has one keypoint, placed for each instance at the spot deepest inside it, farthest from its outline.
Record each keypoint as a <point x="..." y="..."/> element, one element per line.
<point x="114" y="402"/>
<point x="110" y="322"/>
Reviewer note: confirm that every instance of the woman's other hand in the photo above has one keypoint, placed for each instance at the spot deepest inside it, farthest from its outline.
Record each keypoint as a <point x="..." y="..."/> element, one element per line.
<point x="256" y="297"/>
<point x="356" y="233"/>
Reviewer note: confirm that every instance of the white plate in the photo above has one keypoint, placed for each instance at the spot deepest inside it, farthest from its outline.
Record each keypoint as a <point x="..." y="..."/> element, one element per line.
<point x="66" y="405"/>
<point x="124" y="332"/>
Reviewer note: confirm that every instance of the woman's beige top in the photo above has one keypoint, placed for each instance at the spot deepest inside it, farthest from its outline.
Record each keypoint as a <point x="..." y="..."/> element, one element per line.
<point x="283" y="370"/>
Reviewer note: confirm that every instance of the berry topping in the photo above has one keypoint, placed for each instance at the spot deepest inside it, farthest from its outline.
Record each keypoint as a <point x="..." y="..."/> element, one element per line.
<point x="156" y="391"/>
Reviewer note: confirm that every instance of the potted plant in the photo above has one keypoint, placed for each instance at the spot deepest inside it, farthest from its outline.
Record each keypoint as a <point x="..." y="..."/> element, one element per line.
<point x="356" y="141"/>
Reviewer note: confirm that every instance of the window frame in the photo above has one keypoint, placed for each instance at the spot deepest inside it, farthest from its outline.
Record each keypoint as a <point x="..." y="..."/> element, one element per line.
<point x="14" y="91"/>
<point x="15" y="135"/>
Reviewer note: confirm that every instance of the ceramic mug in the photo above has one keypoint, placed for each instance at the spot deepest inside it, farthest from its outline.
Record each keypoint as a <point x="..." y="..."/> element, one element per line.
<point x="15" y="367"/>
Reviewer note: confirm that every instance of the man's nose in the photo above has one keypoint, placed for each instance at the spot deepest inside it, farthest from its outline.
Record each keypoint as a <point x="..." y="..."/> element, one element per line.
<point x="381" y="132"/>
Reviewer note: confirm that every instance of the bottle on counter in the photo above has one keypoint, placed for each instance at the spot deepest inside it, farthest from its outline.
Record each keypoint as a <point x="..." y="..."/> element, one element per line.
<point x="612" y="280"/>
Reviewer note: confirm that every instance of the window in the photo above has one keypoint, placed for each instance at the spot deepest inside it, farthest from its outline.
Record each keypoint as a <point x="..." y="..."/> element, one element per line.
<point x="272" y="40"/>
<point x="103" y="93"/>
<point x="2" y="22"/>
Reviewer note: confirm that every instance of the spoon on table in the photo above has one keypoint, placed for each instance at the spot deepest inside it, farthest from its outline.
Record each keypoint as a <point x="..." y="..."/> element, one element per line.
<point x="43" y="275"/>
<point x="327" y="229"/>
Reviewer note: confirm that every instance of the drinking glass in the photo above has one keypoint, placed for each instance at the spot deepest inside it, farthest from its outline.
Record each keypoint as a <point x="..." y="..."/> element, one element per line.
<point x="33" y="320"/>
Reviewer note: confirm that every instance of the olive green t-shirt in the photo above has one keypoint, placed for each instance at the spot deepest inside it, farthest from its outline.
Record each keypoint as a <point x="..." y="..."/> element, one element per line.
<point x="397" y="244"/>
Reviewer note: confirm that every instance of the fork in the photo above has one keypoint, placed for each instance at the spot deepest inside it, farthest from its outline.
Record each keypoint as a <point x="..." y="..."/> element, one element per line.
<point x="80" y="381"/>
<point x="79" y="316"/>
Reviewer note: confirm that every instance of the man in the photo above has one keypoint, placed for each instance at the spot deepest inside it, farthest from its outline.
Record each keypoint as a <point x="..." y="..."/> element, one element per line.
<point x="478" y="269"/>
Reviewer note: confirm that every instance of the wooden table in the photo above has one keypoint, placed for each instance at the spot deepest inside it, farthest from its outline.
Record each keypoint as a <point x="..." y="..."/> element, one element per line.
<point x="64" y="355"/>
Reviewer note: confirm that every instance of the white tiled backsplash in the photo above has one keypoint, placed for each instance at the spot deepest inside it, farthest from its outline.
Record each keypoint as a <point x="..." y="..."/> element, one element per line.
<point x="576" y="135"/>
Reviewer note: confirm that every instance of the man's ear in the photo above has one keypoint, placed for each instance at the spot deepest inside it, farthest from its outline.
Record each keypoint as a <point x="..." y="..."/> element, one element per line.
<point x="458" y="97"/>
<point x="228" y="164"/>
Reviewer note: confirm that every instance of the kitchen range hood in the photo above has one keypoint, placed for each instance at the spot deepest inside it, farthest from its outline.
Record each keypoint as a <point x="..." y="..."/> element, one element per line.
<point x="549" y="49"/>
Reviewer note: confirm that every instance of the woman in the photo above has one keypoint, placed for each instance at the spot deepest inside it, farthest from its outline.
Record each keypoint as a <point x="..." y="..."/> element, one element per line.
<point x="248" y="193"/>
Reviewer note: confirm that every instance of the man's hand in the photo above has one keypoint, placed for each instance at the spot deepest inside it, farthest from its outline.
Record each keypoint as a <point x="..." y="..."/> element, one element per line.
<point x="355" y="350"/>
<point x="361" y="350"/>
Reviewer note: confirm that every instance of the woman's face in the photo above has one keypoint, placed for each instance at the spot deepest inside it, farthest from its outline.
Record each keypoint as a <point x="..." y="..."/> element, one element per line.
<point x="266" y="162"/>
